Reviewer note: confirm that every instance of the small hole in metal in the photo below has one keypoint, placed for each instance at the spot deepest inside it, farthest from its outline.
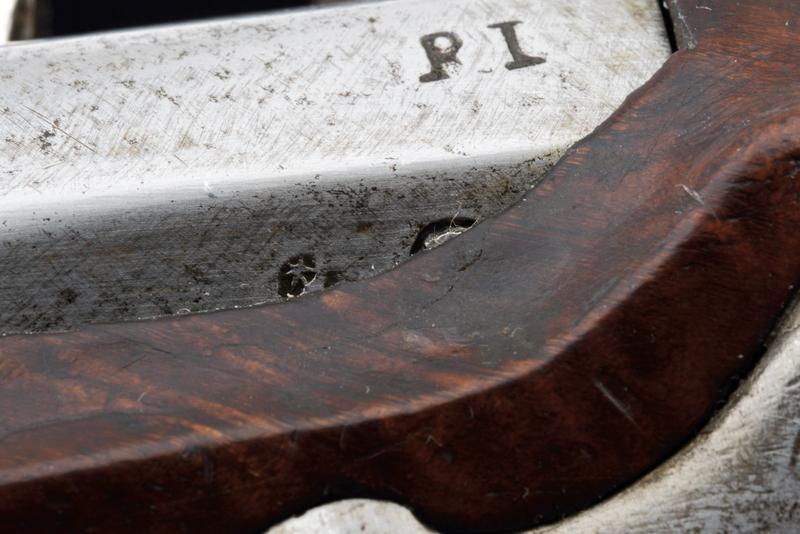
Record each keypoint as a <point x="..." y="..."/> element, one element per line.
<point x="438" y="232"/>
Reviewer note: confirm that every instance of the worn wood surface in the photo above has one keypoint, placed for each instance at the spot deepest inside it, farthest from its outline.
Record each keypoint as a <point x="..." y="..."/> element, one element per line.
<point x="516" y="374"/>
<point x="740" y="474"/>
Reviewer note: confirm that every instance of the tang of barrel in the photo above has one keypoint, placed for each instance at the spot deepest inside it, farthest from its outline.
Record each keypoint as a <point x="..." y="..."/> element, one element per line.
<point x="516" y="374"/>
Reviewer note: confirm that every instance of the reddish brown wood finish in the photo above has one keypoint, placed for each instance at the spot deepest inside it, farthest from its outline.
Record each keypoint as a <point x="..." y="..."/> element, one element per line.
<point x="519" y="373"/>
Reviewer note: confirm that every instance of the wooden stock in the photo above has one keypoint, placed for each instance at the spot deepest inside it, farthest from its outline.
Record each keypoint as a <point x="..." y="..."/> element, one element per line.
<point x="516" y="374"/>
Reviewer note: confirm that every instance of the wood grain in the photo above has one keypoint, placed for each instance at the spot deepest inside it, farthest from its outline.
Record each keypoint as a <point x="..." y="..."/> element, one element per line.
<point x="519" y="373"/>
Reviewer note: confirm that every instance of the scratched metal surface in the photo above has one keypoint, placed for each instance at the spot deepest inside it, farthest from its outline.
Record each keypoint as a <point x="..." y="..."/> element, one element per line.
<point x="742" y="474"/>
<point x="181" y="169"/>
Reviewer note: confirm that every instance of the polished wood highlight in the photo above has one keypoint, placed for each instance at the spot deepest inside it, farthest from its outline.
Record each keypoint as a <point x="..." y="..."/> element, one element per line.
<point x="516" y="374"/>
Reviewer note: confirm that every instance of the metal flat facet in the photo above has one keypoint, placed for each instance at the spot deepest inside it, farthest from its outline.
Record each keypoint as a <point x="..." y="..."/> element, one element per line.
<point x="231" y="163"/>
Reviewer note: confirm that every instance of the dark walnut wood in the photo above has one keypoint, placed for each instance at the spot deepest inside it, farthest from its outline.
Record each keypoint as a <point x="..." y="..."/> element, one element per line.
<point x="519" y="373"/>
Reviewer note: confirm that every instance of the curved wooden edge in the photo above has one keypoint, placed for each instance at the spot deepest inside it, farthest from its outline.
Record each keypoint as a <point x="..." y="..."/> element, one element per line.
<point x="515" y="375"/>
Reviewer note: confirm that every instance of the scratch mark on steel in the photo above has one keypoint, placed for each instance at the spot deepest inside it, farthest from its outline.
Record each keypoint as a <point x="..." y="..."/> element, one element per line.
<point x="58" y="128"/>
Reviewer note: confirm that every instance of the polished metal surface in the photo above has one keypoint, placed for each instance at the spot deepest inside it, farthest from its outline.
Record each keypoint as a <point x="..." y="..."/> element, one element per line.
<point x="235" y="162"/>
<point x="6" y="18"/>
